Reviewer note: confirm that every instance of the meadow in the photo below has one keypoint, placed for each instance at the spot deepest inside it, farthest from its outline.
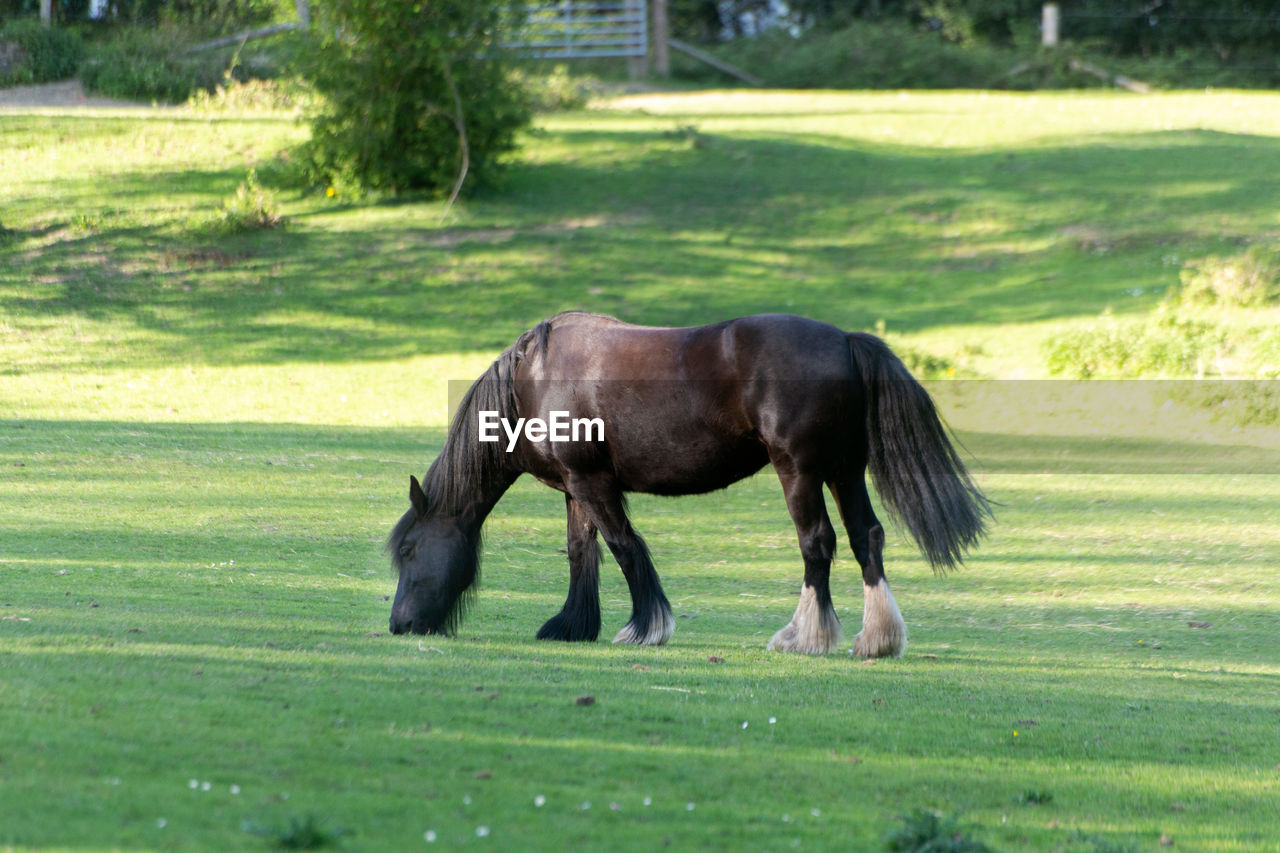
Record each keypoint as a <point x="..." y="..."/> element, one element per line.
<point x="205" y="438"/>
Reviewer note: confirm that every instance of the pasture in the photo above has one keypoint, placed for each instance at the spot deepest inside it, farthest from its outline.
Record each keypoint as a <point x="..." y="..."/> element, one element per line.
<point x="206" y="437"/>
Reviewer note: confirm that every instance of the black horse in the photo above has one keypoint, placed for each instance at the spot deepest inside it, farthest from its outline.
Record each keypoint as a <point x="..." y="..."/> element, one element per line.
<point x="677" y="411"/>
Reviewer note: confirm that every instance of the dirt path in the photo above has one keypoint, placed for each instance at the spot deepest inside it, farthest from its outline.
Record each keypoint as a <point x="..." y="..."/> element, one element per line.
<point x="68" y="93"/>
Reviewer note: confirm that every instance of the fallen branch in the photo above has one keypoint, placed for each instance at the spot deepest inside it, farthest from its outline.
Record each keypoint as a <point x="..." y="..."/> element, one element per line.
<point x="718" y="64"/>
<point x="261" y="32"/>
<point x="1114" y="79"/>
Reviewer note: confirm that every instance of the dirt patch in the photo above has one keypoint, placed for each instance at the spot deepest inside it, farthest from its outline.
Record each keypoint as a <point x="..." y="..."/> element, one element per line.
<point x="68" y="93"/>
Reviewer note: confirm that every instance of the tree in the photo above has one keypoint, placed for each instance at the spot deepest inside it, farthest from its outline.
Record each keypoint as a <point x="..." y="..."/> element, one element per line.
<point x="417" y="94"/>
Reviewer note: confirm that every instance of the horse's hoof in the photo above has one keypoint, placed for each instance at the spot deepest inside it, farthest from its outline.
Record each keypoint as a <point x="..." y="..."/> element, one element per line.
<point x="883" y="634"/>
<point x="789" y="640"/>
<point x="813" y="630"/>
<point x="660" y="628"/>
<point x="879" y="647"/>
<point x="561" y="627"/>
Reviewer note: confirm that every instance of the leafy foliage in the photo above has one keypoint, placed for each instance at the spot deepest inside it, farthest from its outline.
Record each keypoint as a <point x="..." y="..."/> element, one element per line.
<point x="1178" y="340"/>
<point x="301" y="833"/>
<point x="1162" y="345"/>
<point x="43" y="54"/>
<point x="555" y="88"/>
<point x="1229" y="27"/>
<point x="146" y="63"/>
<point x="416" y="95"/>
<point x="252" y="208"/>
<point x="1035" y="797"/>
<point x="927" y="831"/>
<point x="1247" y="280"/>
<point x="863" y="55"/>
<point x="1175" y="42"/>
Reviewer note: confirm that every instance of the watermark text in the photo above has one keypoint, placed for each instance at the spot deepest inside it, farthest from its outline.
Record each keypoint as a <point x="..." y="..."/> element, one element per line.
<point x="559" y="427"/>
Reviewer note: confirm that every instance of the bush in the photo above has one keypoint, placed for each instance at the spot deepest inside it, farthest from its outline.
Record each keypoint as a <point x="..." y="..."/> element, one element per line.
<point x="404" y="87"/>
<point x="1163" y="345"/>
<point x="147" y="64"/>
<point x="931" y="832"/>
<point x="252" y="208"/>
<point x="288" y="95"/>
<point x="1247" y="280"/>
<point x="863" y="55"/>
<point x="43" y="54"/>
<point x="555" y="89"/>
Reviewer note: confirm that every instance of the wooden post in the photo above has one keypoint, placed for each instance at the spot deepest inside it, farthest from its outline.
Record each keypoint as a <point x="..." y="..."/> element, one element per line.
<point x="303" y="9"/>
<point x="637" y="64"/>
<point x="46" y="12"/>
<point x="661" y="32"/>
<point x="1050" y="16"/>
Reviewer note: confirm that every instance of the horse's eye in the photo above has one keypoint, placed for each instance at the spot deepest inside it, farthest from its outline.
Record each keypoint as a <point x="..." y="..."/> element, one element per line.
<point x="406" y="551"/>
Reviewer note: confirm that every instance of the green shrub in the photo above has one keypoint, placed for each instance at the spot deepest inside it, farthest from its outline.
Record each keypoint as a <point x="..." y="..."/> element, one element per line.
<point x="45" y="54"/>
<point x="864" y="55"/>
<point x="927" y="831"/>
<point x="149" y="64"/>
<point x="921" y="363"/>
<point x="210" y="18"/>
<point x="1247" y="280"/>
<point x="404" y="85"/>
<point x="555" y="89"/>
<point x="288" y="95"/>
<point x="1162" y="345"/>
<point x="252" y="208"/>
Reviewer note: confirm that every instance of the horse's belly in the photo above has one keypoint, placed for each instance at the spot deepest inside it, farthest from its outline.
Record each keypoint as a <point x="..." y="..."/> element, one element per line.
<point x="689" y="470"/>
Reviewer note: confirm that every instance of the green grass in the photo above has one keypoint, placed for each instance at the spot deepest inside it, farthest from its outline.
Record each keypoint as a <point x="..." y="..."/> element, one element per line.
<point x="205" y="438"/>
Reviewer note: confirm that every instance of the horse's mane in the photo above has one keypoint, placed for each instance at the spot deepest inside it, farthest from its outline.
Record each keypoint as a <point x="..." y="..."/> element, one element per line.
<point x="466" y="466"/>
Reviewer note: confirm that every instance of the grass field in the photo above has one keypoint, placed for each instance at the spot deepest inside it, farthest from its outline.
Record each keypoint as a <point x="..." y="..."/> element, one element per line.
<point x="205" y="438"/>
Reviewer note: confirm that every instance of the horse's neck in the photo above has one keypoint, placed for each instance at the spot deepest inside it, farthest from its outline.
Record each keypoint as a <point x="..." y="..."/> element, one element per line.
<point x="474" y="514"/>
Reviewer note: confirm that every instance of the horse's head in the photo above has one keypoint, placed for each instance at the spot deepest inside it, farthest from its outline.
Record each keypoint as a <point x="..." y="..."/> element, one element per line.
<point x="437" y="564"/>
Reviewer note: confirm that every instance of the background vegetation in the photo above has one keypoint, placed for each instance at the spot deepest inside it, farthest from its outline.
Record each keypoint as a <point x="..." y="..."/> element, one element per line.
<point x="409" y="103"/>
<point x="142" y="51"/>
<point x="206" y="432"/>
<point x="1177" y="43"/>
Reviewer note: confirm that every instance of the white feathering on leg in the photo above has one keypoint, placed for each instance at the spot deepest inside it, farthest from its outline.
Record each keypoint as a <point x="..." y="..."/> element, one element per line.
<point x="813" y="630"/>
<point x="662" y="625"/>
<point x="883" y="633"/>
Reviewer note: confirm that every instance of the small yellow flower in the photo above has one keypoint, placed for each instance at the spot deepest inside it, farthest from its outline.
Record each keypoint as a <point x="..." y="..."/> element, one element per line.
<point x="1015" y="732"/>
<point x="330" y="192"/>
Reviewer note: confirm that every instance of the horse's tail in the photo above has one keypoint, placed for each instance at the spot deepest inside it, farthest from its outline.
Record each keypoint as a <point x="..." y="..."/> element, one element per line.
<point x="915" y="469"/>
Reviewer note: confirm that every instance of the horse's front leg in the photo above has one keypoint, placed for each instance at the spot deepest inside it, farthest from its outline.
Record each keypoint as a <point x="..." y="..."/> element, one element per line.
<point x="579" y="619"/>
<point x="652" y="622"/>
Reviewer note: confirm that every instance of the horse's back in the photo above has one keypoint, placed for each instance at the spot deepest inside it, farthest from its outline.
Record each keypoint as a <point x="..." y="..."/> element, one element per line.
<point x="760" y="346"/>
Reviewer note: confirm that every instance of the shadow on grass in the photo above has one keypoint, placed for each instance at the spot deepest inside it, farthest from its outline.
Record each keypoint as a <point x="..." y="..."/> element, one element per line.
<point x="646" y="226"/>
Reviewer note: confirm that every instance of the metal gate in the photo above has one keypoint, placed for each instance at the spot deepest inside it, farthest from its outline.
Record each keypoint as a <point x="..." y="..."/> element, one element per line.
<point x="577" y="29"/>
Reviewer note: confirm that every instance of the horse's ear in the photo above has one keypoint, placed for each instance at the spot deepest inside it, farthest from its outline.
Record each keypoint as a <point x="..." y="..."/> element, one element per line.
<point x="417" y="497"/>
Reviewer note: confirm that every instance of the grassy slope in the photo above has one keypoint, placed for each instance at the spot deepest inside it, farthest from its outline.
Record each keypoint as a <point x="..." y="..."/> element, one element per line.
<point x="204" y="439"/>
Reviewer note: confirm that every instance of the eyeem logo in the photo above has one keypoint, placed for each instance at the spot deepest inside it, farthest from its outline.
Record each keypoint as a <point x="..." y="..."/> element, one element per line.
<point x="560" y="428"/>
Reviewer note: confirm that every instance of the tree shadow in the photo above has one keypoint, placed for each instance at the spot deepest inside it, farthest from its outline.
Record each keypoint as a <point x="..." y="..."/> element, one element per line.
<point x="657" y="229"/>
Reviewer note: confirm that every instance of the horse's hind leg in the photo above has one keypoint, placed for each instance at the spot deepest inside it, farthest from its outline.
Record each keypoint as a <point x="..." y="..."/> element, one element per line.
<point x="883" y="633"/>
<point x="579" y="619"/>
<point x="814" y="629"/>
<point x="652" y="622"/>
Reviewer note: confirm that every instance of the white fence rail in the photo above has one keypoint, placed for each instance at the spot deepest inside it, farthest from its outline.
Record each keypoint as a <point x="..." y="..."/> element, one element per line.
<point x="577" y="29"/>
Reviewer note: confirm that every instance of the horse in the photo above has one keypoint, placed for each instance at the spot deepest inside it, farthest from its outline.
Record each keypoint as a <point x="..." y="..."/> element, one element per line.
<point x="679" y="411"/>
